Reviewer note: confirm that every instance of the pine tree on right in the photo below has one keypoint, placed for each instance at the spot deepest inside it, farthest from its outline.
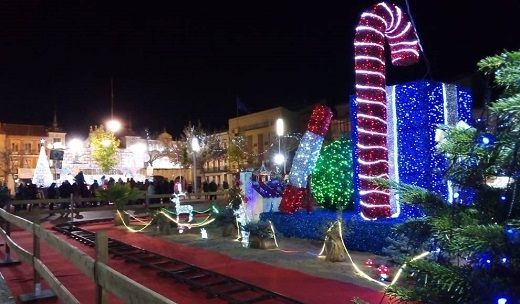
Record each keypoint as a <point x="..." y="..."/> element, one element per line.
<point x="473" y="236"/>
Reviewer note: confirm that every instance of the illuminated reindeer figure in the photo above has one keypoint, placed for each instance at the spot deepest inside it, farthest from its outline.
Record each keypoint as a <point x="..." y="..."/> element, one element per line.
<point x="184" y="209"/>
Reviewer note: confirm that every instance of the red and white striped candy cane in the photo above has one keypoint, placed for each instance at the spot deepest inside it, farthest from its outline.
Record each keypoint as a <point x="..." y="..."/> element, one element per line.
<point x="382" y="23"/>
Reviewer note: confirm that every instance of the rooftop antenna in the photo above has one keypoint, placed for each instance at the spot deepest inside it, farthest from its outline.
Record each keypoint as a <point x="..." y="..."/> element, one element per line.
<point x="55" y="120"/>
<point x="112" y="98"/>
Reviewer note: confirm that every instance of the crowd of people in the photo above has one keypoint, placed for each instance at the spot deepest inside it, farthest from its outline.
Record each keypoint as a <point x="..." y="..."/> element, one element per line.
<point x="80" y="189"/>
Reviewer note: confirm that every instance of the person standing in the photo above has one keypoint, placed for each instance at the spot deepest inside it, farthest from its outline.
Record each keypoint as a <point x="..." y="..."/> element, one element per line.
<point x="52" y="193"/>
<point x="65" y="190"/>
<point x="213" y="187"/>
<point x="205" y="189"/>
<point x="93" y="188"/>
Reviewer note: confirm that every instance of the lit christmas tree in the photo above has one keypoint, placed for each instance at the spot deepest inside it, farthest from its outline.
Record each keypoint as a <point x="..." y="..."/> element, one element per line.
<point x="42" y="174"/>
<point x="332" y="178"/>
<point x="474" y="241"/>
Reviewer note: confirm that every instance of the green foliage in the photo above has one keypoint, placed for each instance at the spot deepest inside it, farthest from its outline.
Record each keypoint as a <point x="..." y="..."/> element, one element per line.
<point x="332" y="178"/>
<point x="474" y="245"/>
<point x="411" y="195"/>
<point x="104" y="148"/>
<point x="400" y="247"/>
<point x="236" y="150"/>
<point x="119" y="194"/>
<point x="235" y="197"/>
<point x="261" y="229"/>
<point x="505" y="69"/>
<point x="357" y="300"/>
<point x="226" y="216"/>
<point x="434" y="283"/>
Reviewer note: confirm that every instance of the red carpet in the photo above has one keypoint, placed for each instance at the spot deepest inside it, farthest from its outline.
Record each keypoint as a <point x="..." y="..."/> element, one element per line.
<point x="291" y="283"/>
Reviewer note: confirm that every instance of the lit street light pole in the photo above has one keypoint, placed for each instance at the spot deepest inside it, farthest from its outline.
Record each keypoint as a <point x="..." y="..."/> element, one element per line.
<point x="113" y="125"/>
<point x="195" y="147"/>
<point x="279" y="132"/>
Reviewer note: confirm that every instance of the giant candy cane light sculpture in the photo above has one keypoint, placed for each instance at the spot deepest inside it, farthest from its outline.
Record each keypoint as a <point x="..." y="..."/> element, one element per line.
<point x="305" y="159"/>
<point x="383" y="22"/>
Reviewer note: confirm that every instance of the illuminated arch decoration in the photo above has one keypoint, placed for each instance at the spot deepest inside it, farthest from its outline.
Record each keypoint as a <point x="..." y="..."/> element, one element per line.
<point x="381" y="23"/>
<point x="305" y="159"/>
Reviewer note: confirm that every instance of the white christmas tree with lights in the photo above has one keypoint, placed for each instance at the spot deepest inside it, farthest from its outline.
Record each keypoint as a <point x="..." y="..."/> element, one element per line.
<point x="42" y="174"/>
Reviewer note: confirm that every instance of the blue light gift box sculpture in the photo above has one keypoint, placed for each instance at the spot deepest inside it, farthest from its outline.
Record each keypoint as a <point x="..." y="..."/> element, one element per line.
<point x="414" y="111"/>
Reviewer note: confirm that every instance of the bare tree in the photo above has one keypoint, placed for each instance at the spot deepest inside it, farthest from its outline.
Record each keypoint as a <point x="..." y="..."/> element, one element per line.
<point x="163" y="147"/>
<point x="210" y="145"/>
<point x="7" y="167"/>
<point x="237" y="151"/>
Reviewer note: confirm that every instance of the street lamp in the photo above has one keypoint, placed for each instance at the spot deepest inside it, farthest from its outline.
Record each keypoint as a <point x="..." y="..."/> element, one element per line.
<point x="75" y="145"/>
<point x="113" y="125"/>
<point x="279" y="131"/>
<point x="195" y="147"/>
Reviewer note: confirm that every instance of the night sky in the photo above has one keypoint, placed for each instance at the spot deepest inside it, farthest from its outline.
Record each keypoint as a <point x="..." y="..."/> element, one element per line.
<point x="179" y="61"/>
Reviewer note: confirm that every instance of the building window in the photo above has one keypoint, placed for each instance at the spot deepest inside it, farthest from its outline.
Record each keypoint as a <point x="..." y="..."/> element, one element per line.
<point x="27" y="147"/>
<point x="14" y="147"/>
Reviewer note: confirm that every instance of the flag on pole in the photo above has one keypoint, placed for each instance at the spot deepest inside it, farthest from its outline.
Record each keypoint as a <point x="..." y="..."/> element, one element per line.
<point x="241" y="107"/>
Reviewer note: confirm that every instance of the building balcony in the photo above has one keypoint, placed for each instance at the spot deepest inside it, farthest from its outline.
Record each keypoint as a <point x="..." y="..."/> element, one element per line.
<point x="216" y="170"/>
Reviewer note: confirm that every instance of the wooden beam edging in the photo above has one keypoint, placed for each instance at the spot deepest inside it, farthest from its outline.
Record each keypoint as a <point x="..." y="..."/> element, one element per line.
<point x="40" y="201"/>
<point x="17" y="221"/>
<point x="114" y="282"/>
<point x="78" y="258"/>
<point x="59" y="289"/>
<point x="101" y="257"/>
<point x="126" y="289"/>
<point x="222" y="194"/>
<point x="20" y="252"/>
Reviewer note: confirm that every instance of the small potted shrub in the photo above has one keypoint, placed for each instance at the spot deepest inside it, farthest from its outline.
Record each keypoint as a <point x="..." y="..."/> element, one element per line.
<point x="228" y="221"/>
<point x="119" y="195"/>
<point x="261" y="235"/>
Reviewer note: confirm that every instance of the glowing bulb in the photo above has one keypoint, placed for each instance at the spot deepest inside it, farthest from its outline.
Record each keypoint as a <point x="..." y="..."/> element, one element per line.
<point x="279" y="159"/>
<point x="502" y="301"/>
<point x="279" y="127"/>
<point x="113" y="125"/>
<point x="486" y="139"/>
<point x="455" y="195"/>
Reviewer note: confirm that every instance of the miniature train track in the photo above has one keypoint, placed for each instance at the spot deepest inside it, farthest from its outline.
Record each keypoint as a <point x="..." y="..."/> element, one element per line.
<point x="215" y="285"/>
